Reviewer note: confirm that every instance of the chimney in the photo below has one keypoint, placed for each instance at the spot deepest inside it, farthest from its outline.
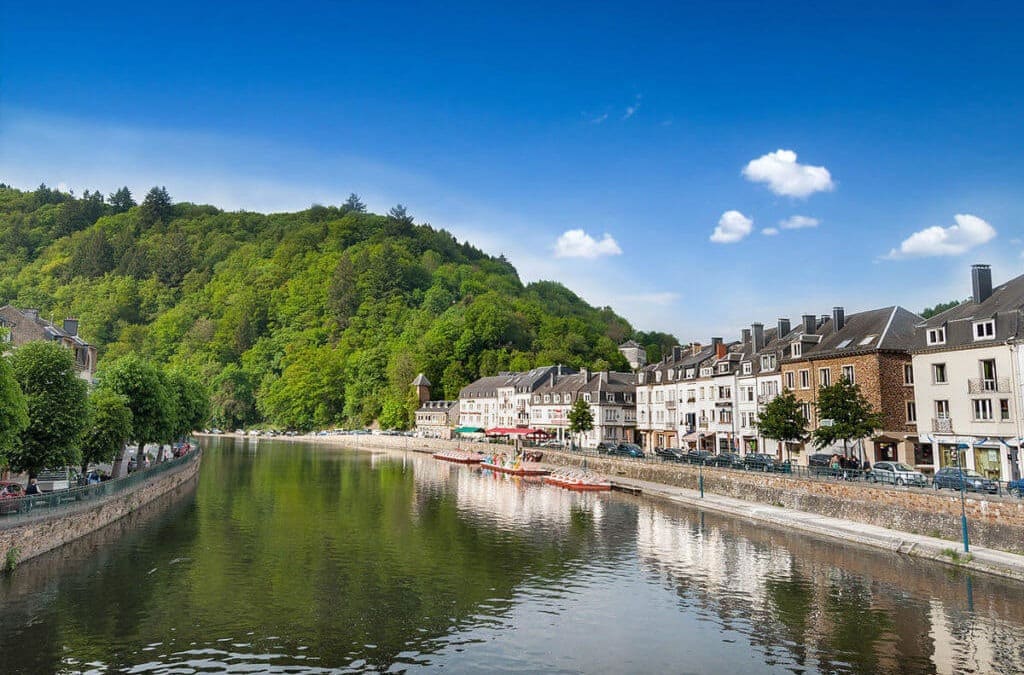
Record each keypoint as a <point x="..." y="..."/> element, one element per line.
<point x="838" y="318"/>
<point x="31" y="312"/>
<point x="586" y="375"/>
<point x="981" y="282"/>
<point x="758" y="332"/>
<point x="694" y="348"/>
<point x="745" y="336"/>
<point x="784" y="328"/>
<point x="809" y="323"/>
<point x="71" y="327"/>
<point x="603" y="376"/>
<point x="716" y="342"/>
<point x="677" y="353"/>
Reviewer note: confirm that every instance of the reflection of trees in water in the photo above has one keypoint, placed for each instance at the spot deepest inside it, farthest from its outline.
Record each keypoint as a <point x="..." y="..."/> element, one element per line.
<point x="827" y="606"/>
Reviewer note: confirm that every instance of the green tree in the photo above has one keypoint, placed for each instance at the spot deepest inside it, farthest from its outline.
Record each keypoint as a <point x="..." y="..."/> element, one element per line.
<point x="193" y="403"/>
<point x="55" y="399"/>
<point x="851" y="414"/>
<point x="353" y="204"/>
<point x="929" y="312"/>
<point x="783" y="420"/>
<point x="13" y="412"/>
<point x="122" y="200"/>
<point x="581" y="419"/>
<point x="108" y="428"/>
<point x="142" y="385"/>
<point x="157" y="207"/>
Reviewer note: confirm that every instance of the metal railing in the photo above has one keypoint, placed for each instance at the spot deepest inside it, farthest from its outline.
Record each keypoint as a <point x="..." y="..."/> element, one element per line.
<point x="942" y="424"/>
<point x="994" y="385"/>
<point x="34" y="507"/>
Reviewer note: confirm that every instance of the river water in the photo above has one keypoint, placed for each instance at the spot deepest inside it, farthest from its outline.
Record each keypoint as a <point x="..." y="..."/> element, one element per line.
<point x="296" y="558"/>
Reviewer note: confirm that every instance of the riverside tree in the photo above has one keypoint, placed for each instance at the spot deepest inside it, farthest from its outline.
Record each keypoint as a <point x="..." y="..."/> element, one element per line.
<point x="108" y="428"/>
<point x="144" y="388"/>
<point x="852" y="415"/>
<point x="783" y="420"/>
<point x="191" y="404"/>
<point x="55" y="399"/>
<point x="581" y="420"/>
<point x="13" y="412"/>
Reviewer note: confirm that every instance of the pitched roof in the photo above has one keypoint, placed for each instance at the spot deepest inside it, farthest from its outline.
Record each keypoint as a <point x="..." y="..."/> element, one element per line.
<point x="1005" y="305"/>
<point x="421" y="381"/>
<point x="884" y="329"/>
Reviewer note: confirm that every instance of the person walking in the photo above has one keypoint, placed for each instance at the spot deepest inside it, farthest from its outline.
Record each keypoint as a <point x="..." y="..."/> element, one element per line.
<point x="33" y="487"/>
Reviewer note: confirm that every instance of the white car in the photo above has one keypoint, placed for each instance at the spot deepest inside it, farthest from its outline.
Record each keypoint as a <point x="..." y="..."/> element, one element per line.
<point x="897" y="473"/>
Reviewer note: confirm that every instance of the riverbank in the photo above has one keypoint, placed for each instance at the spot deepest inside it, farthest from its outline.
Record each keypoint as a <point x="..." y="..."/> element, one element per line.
<point x="762" y="501"/>
<point x="30" y="534"/>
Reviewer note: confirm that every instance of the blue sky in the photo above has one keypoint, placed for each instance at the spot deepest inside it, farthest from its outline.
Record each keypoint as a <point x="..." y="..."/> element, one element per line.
<point x="896" y="128"/>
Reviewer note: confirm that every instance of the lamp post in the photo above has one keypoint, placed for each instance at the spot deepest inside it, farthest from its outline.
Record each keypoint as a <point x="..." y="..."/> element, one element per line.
<point x="700" y="467"/>
<point x="963" y="495"/>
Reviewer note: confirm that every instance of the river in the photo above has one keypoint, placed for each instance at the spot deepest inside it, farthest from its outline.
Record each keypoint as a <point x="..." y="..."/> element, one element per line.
<point x="299" y="558"/>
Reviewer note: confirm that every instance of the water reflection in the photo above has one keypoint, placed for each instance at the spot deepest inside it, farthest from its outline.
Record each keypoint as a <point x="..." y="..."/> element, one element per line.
<point x="294" y="558"/>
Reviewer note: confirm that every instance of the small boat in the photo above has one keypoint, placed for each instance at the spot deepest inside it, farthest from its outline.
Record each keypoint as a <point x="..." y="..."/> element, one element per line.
<point x="459" y="456"/>
<point x="578" y="479"/>
<point x="517" y="469"/>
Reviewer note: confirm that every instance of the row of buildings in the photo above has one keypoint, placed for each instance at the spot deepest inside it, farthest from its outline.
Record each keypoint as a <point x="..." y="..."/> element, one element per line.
<point x="946" y="386"/>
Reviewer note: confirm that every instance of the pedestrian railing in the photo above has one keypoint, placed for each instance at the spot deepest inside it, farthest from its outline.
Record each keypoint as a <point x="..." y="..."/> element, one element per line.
<point x="32" y="507"/>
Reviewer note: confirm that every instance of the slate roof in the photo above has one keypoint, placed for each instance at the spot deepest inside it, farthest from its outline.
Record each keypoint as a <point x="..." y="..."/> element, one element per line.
<point x="421" y="381"/>
<point x="1005" y="305"/>
<point x="885" y="329"/>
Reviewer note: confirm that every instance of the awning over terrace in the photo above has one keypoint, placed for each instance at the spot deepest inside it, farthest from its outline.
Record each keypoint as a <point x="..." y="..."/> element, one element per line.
<point x="517" y="431"/>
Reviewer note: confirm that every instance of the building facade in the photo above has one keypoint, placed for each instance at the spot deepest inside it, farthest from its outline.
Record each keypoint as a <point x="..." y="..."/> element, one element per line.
<point x="27" y="326"/>
<point x="610" y="395"/>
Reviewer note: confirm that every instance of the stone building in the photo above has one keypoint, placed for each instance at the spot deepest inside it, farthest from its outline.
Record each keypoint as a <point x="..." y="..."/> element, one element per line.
<point x="635" y="354"/>
<point x="434" y="419"/>
<point x="26" y="326"/>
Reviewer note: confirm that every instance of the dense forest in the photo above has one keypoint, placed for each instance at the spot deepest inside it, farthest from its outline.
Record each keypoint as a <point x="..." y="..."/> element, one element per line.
<point x="300" y="320"/>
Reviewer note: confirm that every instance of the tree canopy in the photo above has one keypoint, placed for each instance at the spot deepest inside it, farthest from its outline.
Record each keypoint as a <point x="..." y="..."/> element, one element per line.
<point x="851" y="413"/>
<point x="929" y="312"/>
<point x="108" y="428"/>
<point x="307" y="319"/>
<point x="782" y="419"/>
<point x="13" y="411"/>
<point x="581" y="419"/>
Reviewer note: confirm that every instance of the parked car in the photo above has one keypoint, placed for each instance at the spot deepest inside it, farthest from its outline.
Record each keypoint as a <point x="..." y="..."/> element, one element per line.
<point x="955" y="478"/>
<point x="605" y="447"/>
<point x="552" y="444"/>
<point x="9" y="490"/>
<point x="1016" y="487"/>
<point x="627" y="450"/>
<point x="727" y="459"/>
<point x="820" y="464"/>
<point x="670" y="454"/>
<point x="759" y="462"/>
<point x="897" y="473"/>
<point x="698" y="456"/>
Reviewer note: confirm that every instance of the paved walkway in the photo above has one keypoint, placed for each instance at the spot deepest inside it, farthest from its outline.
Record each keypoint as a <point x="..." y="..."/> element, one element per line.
<point x="980" y="559"/>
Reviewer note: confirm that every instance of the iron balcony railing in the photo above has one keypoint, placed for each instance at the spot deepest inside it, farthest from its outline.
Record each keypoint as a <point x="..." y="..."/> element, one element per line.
<point x="670" y="405"/>
<point x="994" y="385"/>
<point x="36" y="507"/>
<point x="942" y="425"/>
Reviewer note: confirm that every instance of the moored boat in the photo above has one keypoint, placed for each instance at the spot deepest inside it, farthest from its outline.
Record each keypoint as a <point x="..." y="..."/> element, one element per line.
<point x="578" y="479"/>
<point x="459" y="456"/>
<point x="517" y="469"/>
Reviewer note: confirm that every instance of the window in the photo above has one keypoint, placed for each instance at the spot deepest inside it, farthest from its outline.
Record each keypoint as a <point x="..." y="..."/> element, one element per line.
<point x="985" y="330"/>
<point x="988" y="375"/>
<point x="536" y="398"/>
<point x="938" y="373"/>
<point x="789" y="380"/>
<point x="844" y="344"/>
<point x="937" y="336"/>
<point x="748" y="368"/>
<point x="911" y="411"/>
<point x="908" y="374"/>
<point x="724" y="392"/>
<point x="982" y="409"/>
<point x="805" y="410"/>
<point x="629" y="398"/>
<point x="768" y="362"/>
<point x="848" y="374"/>
<point x="689" y="372"/>
<point x="867" y="340"/>
<point x="547" y="398"/>
<point x="657" y="376"/>
<point x="706" y="372"/>
<point x="1004" y="409"/>
<point x="942" y="410"/>
<point x="723" y="367"/>
<point x="641" y="397"/>
<point x="748" y="394"/>
<point x="586" y="397"/>
<point x="797" y="349"/>
<point x="725" y="416"/>
<point x="610" y="397"/>
<point x="824" y="377"/>
<point x="805" y="379"/>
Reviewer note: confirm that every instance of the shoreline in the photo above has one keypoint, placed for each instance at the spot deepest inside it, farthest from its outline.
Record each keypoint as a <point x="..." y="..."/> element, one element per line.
<point x="981" y="559"/>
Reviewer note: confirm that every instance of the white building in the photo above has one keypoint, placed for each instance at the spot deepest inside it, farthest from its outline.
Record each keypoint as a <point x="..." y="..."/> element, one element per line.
<point x="666" y="395"/>
<point x="758" y="381"/>
<point x="611" y="396"/>
<point x="968" y="378"/>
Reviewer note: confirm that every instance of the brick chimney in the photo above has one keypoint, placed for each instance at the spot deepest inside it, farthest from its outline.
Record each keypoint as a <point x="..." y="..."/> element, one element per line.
<point x="694" y="348"/>
<point x="716" y="342"/>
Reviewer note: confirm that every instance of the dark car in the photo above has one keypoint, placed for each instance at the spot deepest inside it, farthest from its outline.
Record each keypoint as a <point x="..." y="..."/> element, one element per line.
<point x="968" y="479"/>
<point x="627" y="450"/>
<point x="698" y="456"/>
<point x="605" y="447"/>
<point x="727" y="459"/>
<point x="1016" y="487"/>
<point x="670" y="454"/>
<point x="759" y="462"/>
<point x="820" y="464"/>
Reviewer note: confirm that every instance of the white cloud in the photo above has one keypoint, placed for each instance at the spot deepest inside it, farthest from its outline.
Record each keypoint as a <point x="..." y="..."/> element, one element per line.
<point x="732" y="227"/>
<point x="798" y="222"/>
<point x="969" y="231"/>
<point x="785" y="176"/>
<point x="770" y="231"/>
<point x="579" y="244"/>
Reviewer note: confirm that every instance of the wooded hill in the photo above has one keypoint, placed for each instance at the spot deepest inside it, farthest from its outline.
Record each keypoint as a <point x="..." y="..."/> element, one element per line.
<point x="302" y="320"/>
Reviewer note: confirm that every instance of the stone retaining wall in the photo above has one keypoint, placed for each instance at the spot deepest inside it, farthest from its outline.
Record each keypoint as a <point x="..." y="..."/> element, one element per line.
<point x="49" y="531"/>
<point x="994" y="522"/>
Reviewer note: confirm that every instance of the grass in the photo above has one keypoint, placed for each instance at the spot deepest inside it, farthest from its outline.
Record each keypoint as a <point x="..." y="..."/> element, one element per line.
<point x="11" y="560"/>
<point x="956" y="556"/>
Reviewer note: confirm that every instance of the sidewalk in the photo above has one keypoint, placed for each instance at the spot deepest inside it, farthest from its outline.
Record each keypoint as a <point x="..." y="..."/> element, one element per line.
<point x="987" y="560"/>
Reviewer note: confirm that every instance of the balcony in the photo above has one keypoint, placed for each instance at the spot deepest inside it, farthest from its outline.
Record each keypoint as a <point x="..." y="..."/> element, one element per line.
<point x="702" y="423"/>
<point x="692" y="399"/>
<point x="942" y="425"/>
<point x="994" y="385"/>
<point x="670" y="405"/>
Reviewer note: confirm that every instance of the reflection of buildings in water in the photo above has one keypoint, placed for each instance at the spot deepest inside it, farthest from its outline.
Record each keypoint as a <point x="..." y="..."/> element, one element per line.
<point x="968" y="643"/>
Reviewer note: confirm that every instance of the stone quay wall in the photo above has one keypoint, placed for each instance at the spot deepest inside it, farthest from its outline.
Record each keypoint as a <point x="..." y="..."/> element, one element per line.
<point x="24" y="539"/>
<point x="994" y="522"/>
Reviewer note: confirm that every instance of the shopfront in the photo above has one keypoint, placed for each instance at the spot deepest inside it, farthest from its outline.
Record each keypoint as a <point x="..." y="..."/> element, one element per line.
<point x="987" y="462"/>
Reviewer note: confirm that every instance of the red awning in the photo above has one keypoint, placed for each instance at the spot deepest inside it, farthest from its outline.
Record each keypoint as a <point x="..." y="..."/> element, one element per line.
<point x="517" y="431"/>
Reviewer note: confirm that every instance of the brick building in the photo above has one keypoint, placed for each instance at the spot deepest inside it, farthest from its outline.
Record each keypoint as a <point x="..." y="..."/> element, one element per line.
<point x="26" y="326"/>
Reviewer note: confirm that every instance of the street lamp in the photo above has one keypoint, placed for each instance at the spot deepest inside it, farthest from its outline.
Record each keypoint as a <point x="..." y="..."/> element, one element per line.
<point x="963" y="495"/>
<point x="700" y="467"/>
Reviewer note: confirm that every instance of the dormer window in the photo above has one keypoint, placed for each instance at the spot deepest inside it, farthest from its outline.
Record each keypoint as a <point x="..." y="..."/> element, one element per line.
<point x="657" y="376"/>
<point x="547" y="398"/>
<point x="937" y="336"/>
<point x="706" y="372"/>
<point x="723" y="367"/>
<point x="797" y="349"/>
<point x="689" y="372"/>
<point x="748" y="368"/>
<point x="985" y="330"/>
<point x="610" y="397"/>
<point x="768" y="362"/>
